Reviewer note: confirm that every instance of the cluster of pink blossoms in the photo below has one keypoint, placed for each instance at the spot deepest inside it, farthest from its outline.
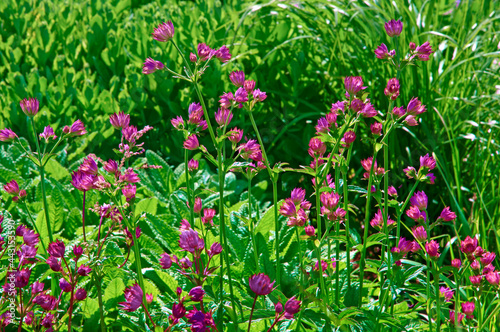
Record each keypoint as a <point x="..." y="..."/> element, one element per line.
<point x="296" y="208"/>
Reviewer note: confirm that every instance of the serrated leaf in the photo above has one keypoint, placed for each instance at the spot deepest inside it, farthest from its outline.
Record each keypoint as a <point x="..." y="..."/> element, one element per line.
<point x="113" y="293"/>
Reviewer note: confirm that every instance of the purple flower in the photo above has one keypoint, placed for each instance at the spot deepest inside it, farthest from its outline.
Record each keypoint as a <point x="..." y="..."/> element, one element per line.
<point x="178" y="310"/>
<point x="191" y="143"/>
<point x="208" y="216"/>
<point x="392" y="88"/>
<point x="260" y="284"/>
<point x="193" y="165"/>
<point x="195" y="112"/>
<point x="447" y="214"/>
<point x="398" y="111"/>
<point x="82" y="181"/>
<point x="7" y="135"/>
<point x="196" y="294"/>
<point x="235" y="135"/>
<point x="415" y="107"/>
<point x="410" y="121"/>
<point x="76" y="129"/>
<point x="493" y="278"/>
<point x="419" y="199"/>
<point x="424" y="51"/>
<point x="37" y="287"/>
<point x="192" y="57"/>
<point x="376" y="129"/>
<point x="278" y="308"/>
<point x="119" y="120"/>
<point x="64" y="285"/>
<point x="226" y="100"/>
<point x="151" y="65"/>
<point x="446" y="293"/>
<point x="111" y="166"/>
<point x="349" y="137"/>
<point x="323" y="126"/>
<point x="223" y="54"/>
<point x="427" y="162"/>
<point x="469" y="245"/>
<point x="189" y="240"/>
<point x="249" y="85"/>
<point x="54" y="263"/>
<point x="77" y="251"/>
<point x="223" y="117"/>
<point x="292" y="306"/>
<point x="133" y="298"/>
<point x="393" y="28"/>
<point x="89" y="166"/>
<point x="164" y="32"/>
<point x="432" y="249"/>
<point x="476" y="280"/>
<point x="22" y="278"/>
<point x="459" y="317"/>
<point x="165" y="261"/>
<point x="310" y="231"/>
<point x="468" y="309"/>
<point x="48" y="132"/>
<point x="204" y="52"/>
<point x="11" y="188"/>
<point x="378" y="221"/>
<point x="412" y="46"/>
<point x="80" y="294"/>
<point x="250" y="150"/>
<point x="487" y="258"/>
<point x="241" y="95"/>
<point x="129" y="192"/>
<point x="177" y="122"/>
<point x="353" y="85"/>
<point x="130" y="176"/>
<point x="84" y="270"/>
<point x="420" y="233"/>
<point x="456" y="263"/>
<point x="403" y="248"/>
<point x="29" y="106"/>
<point x="382" y="52"/>
<point x="259" y="95"/>
<point x="368" y="111"/>
<point x="56" y="249"/>
<point x="237" y="78"/>
<point x="215" y="248"/>
<point x="47" y="302"/>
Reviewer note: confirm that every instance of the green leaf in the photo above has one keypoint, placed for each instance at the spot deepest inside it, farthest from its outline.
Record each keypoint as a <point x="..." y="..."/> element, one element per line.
<point x="113" y="293"/>
<point x="147" y="205"/>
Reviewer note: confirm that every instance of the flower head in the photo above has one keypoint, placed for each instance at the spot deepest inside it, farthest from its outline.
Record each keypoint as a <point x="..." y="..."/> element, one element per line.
<point x="189" y="240"/>
<point x="82" y="181"/>
<point x="292" y="306"/>
<point x="415" y="107"/>
<point x="468" y="309"/>
<point x="191" y="143"/>
<point x="76" y="129"/>
<point x="424" y="51"/>
<point x="80" y="294"/>
<point x="432" y="249"/>
<point x="392" y="88"/>
<point x="223" y="117"/>
<point x="196" y="294"/>
<point x="150" y="66"/>
<point x="353" y="85"/>
<point x="237" y="78"/>
<point x="164" y="32"/>
<point x="235" y="135"/>
<point x="48" y="132"/>
<point x="456" y="317"/>
<point x="29" y="106"/>
<point x="223" y="54"/>
<point x="419" y="199"/>
<point x="133" y="298"/>
<point x="226" y="100"/>
<point x="259" y="95"/>
<point x="393" y="28"/>
<point x="376" y="129"/>
<point x="57" y="249"/>
<point x="382" y="52"/>
<point x="446" y="293"/>
<point x="205" y="52"/>
<point x="447" y="214"/>
<point x="119" y="120"/>
<point x="7" y="135"/>
<point x="260" y="284"/>
<point x="47" y="302"/>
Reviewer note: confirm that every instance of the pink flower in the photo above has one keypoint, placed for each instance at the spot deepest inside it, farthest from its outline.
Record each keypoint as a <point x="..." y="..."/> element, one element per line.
<point x="368" y="111"/>
<point x="215" y="249"/>
<point x="476" y="280"/>
<point x="382" y="52"/>
<point x="353" y="85"/>
<point x="223" y="54"/>
<point x="249" y="85"/>
<point x="292" y="306"/>
<point x="410" y="121"/>
<point x="119" y="120"/>
<point x="53" y="263"/>
<point x="241" y="95"/>
<point x="11" y="188"/>
<point x="205" y="52"/>
<point x="349" y="137"/>
<point x="208" y="216"/>
<point x="196" y="294"/>
<point x="193" y="165"/>
<point x="447" y="214"/>
<point x="150" y="66"/>
<point x="393" y="28"/>
<point x="80" y="294"/>
<point x="56" y="249"/>
<point x="84" y="270"/>
<point x="237" y="78"/>
<point x="111" y="166"/>
<point x="459" y="318"/>
<point x="164" y="32"/>
<point x="323" y="126"/>
<point x="412" y="46"/>
<point x="7" y="135"/>
<point x="456" y="263"/>
<point x="493" y="278"/>
<point x="48" y="132"/>
<point x="235" y="135"/>
<point x="165" y="261"/>
<point x="419" y="199"/>
<point x="378" y="221"/>
<point x="29" y="106"/>
<point x="398" y="111"/>
<point x="189" y="240"/>
<point x="376" y="129"/>
<point x="65" y="285"/>
<point x="195" y="112"/>
<point x="310" y="231"/>
<point x="259" y="95"/>
<point x="177" y="122"/>
<point x="47" y="302"/>
<point x="392" y="89"/>
<point x="415" y="107"/>
<point x="298" y="195"/>
<point x="420" y="233"/>
<point x="192" y="57"/>
<point x="251" y="150"/>
<point x="427" y="162"/>
<point x="446" y="293"/>
<point x="89" y="166"/>
<point x="226" y="100"/>
<point x="260" y="284"/>
<point x="392" y="191"/>
<point x="468" y="309"/>
<point x="191" y="143"/>
<point x="432" y="249"/>
<point x="76" y="129"/>
<point x="223" y="117"/>
<point x="129" y="192"/>
<point x="367" y="165"/>
<point x="129" y="176"/>
<point x="403" y="248"/>
<point x="488" y="258"/>
<point x="133" y="298"/>
<point x="424" y="51"/>
<point x="316" y="147"/>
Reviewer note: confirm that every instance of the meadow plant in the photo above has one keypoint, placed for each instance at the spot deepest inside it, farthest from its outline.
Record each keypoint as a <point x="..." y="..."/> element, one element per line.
<point x="333" y="265"/>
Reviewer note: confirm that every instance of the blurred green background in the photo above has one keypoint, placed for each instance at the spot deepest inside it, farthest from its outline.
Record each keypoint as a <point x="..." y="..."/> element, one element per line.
<point x="83" y="60"/>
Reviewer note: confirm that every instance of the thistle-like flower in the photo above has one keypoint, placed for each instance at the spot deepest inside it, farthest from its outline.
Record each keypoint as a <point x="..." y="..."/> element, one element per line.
<point x="29" y="106"/>
<point x="164" y="32"/>
<point x="393" y="28"/>
<point x="133" y="298"/>
<point x="260" y="284"/>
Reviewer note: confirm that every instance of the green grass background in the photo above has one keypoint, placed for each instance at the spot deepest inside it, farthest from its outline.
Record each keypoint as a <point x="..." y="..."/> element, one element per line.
<point x="83" y="60"/>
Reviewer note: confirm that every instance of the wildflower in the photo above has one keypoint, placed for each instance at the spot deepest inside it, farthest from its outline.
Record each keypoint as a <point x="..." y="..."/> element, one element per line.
<point x="208" y="216"/>
<point x="353" y="85"/>
<point x="241" y="96"/>
<point x="378" y="221"/>
<point x="29" y="106"/>
<point x="177" y="122"/>
<point x="376" y="129"/>
<point x="65" y="286"/>
<point x="226" y="100"/>
<point x="192" y="57"/>
<point x="392" y="89"/>
<point x="165" y="261"/>
<point x="412" y="46"/>
<point x="323" y="126"/>
<point x="329" y="208"/>
<point x="129" y="192"/>
<point x="251" y="150"/>
<point x="368" y="111"/>
<point x="185" y="263"/>
<point x="47" y="302"/>
<point x="197" y="205"/>
<point x="398" y="111"/>
<point x="367" y="165"/>
<point x="410" y="121"/>
<point x="493" y="278"/>
<point x="7" y="135"/>
<point x="487" y="258"/>
<point x="403" y="248"/>
<point x="37" y="287"/>
<point x="119" y="120"/>
<point x="310" y="231"/>
<point x="349" y="137"/>
<point x="324" y="266"/>
<point x="424" y="51"/>
<point x="77" y="251"/>
<point x="419" y="199"/>
<point x="298" y="195"/>
<point x="488" y="268"/>
<point x="48" y="132"/>
<point x="382" y="52"/>
<point x="292" y="306"/>
<point x="447" y="215"/>
<point x="54" y="263"/>
<point x="475" y="265"/>
<point x="392" y="191"/>
<point x="189" y="240"/>
<point x="415" y="107"/>
<point x="204" y="52"/>
<point x="82" y="181"/>
<point x="191" y="143"/>
<point x="196" y="294"/>
<point x="28" y="319"/>
<point x="48" y="320"/>
<point x="22" y="278"/>
<point x="278" y="308"/>
<point x="237" y="78"/>
<point x="76" y="129"/>
<point x="215" y="249"/>
<point x="89" y="166"/>
<point x="260" y="284"/>
<point x="133" y="298"/>
<point x="223" y="54"/>
<point x="178" y="310"/>
<point x="84" y="270"/>
<point x="150" y="66"/>
<point x="223" y="117"/>
<point x="456" y="263"/>
<point x="249" y="85"/>
<point x="80" y="294"/>
<point x="164" y="32"/>
<point x="432" y="249"/>
<point x="476" y="280"/>
<point x="12" y="188"/>
<point x="459" y="317"/>
<point x="446" y="293"/>
<point x="56" y="249"/>
<point x="468" y="309"/>
<point x="111" y="166"/>
<point x="393" y="28"/>
<point x="420" y="233"/>
<point x="259" y="95"/>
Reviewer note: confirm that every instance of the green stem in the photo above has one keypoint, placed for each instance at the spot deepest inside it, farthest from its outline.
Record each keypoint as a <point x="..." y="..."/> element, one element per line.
<point x="83" y="218"/>
<point x="34" y="225"/>
<point x="337" y="244"/>
<point x="438" y="300"/>
<point x="302" y="270"/>
<point x="250" y="221"/>
<point x="347" y="229"/>
<point x="188" y="189"/>
<point x="137" y="255"/>
<point x="398" y="226"/>
<point x="428" y="289"/>
<point x="97" y="283"/>
<point x="362" y="262"/>
<point x="318" y="247"/>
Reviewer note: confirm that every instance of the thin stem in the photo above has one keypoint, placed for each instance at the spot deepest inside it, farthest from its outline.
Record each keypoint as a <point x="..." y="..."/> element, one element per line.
<point x="137" y="255"/>
<point x="318" y="248"/>
<point x="277" y="319"/>
<point x="97" y="282"/>
<point x="362" y="262"/>
<point x="337" y="243"/>
<point x="34" y="224"/>
<point x="147" y="313"/>
<point x="45" y="205"/>
<point x="70" y="314"/>
<point x="347" y="229"/>
<point x="438" y="302"/>
<point x="188" y="190"/>
<point x="302" y="270"/>
<point x="428" y="289"/>
<point x="251" y="313"/>
<point x="250" y="221"/>
<point x="398" y="229"/>
<point x="83" y="218"/>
